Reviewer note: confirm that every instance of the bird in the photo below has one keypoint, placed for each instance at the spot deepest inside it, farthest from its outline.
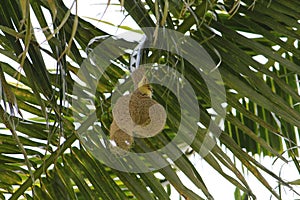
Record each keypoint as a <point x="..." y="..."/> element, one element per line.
<point x="148" y="116"/>
<point x="121" y="130"/>
<point x="140" y="102"/>
<point x="136" y="115"/>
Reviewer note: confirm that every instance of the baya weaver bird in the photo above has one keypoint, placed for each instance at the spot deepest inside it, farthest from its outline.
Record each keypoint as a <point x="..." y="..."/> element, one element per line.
<point x="140" y="102"/>
<point x="136" y="103"/>
<point x="133" y="115"/>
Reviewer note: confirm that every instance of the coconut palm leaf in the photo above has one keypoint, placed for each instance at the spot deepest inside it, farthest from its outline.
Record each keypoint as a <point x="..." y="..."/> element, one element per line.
<point x="41" y="155"/>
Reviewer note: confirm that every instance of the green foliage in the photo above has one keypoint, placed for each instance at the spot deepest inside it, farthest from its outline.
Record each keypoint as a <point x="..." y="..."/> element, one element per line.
<point x="40" y="155"/>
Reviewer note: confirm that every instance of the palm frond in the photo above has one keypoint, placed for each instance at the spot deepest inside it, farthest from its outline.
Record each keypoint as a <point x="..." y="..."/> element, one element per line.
<point x="41" y="155"/>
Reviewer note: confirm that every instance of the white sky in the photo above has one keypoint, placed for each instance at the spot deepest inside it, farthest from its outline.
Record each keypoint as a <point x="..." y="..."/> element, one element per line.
<point x="215" y="182"/>
<point x="95" y="9"/>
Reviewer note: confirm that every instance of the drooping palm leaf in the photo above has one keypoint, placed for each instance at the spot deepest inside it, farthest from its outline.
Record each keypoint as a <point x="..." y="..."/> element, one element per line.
<point x="262" y="99"/>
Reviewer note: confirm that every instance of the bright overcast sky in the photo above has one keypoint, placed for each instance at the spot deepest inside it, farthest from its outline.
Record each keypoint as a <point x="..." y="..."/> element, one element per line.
<point x="95" y="10"/>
